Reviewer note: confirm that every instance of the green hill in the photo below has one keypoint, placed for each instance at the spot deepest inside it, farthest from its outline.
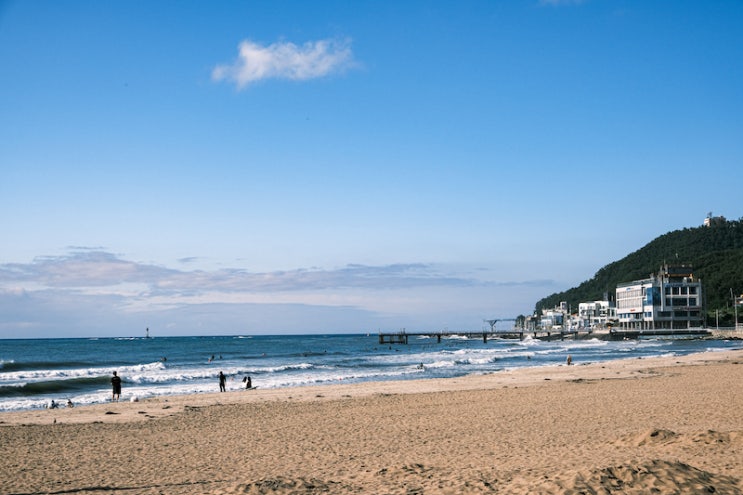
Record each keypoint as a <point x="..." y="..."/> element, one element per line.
<point x="715" y="252"/>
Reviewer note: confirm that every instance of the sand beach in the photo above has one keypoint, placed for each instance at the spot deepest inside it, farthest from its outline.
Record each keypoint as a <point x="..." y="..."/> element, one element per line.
<point x="659" y="425"/>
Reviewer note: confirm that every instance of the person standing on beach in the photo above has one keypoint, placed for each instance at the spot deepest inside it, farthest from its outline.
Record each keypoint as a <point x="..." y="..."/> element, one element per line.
<point x="221" y="382"/>
<point x="116" y="384"/>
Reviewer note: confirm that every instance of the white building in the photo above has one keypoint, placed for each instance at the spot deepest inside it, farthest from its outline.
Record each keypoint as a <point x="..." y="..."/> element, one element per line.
<point x="710" y="220"/>
<point x="595" y="314"/>
<point x="555" y="319"/>
<point x="552" y="319"/>
<point x="671" y="299"/>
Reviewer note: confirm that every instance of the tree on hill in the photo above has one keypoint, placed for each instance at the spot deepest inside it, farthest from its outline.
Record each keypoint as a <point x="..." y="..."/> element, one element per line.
<point x="715" y="253"/>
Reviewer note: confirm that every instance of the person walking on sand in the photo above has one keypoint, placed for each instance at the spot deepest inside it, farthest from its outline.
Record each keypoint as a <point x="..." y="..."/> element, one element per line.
<point x="221" y="382"/>
<point x="116" y="384"/>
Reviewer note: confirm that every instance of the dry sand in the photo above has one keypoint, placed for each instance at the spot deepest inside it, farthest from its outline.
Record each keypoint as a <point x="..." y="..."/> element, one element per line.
<point x="662" y="425"/>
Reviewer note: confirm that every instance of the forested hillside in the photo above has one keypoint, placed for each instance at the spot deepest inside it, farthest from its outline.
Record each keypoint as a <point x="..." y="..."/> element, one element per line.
<point x="715" y="252"/>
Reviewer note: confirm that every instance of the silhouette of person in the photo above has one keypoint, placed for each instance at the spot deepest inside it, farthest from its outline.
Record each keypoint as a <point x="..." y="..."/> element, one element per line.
<point x="221" y="382"/>
<point x="116" y="384"/>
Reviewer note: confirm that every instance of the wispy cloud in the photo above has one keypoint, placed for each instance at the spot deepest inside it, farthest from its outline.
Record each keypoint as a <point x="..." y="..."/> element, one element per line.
<point x="81" y="269"/>
<point x="90" y="270"/>
<point x="86" y="287"/>
<point x="285" y="60"/>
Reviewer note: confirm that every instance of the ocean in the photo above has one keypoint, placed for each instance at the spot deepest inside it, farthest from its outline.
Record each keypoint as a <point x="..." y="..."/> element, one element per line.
<point x="35" y="372"/>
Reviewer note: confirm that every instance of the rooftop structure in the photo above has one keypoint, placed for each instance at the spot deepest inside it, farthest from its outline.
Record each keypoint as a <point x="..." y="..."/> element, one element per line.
<point x="710" y="220"/>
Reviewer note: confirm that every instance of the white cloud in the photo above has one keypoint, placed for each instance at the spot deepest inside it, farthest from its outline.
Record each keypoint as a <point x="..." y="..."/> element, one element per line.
<point x="103" y="272"/>
<point x="85" y="292"/>
<point x="285" y="60"/>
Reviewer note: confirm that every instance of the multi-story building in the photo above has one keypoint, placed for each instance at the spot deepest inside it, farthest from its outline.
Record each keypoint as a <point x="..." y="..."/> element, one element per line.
<point x="552" y="319"/>
<point x="595" y="314"/>
<point x="671" y="299"/>
<point x="555" y="319"/>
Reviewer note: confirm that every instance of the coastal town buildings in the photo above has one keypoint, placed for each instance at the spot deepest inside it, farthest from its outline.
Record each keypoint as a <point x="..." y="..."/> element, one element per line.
<point x="670" y="299"/>
<point x="596" y="314"/>
<point x="554" y="319"/>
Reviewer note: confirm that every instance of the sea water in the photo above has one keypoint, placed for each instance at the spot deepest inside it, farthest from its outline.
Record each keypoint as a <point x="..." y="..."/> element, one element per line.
<point x="35" y="372"/>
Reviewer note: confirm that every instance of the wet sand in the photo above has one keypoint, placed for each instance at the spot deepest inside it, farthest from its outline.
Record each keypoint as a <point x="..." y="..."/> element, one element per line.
<point x="660" y="425"/>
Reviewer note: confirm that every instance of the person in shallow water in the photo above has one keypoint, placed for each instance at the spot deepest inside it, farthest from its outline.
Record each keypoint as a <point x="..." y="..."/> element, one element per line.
<point x="116" y="385"/>
<point x="221" y="382"/>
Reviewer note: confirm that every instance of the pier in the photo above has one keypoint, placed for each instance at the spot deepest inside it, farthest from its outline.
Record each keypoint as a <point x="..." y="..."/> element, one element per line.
<point x="395" y="338"/>
<point x="401" y="337"/>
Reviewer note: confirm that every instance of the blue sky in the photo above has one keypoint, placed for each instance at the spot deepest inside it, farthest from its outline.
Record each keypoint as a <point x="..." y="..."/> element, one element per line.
<point x="298" y="167"/>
